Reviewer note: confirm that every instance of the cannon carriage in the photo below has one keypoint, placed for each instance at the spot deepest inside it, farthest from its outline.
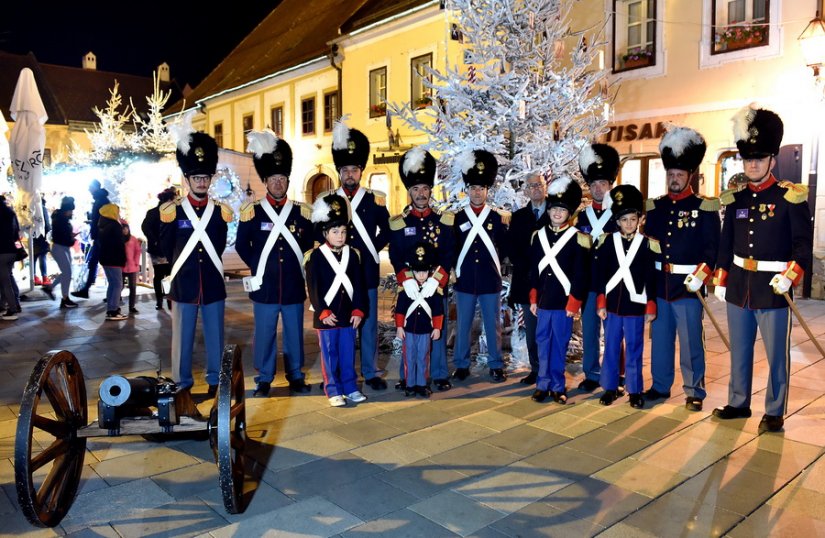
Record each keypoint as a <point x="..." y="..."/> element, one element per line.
<point x="50" y="443"/>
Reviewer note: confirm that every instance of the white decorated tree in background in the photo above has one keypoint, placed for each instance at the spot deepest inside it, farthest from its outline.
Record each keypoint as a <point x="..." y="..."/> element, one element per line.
<point x="531" y="90"/>
<point x="153" y="136"/>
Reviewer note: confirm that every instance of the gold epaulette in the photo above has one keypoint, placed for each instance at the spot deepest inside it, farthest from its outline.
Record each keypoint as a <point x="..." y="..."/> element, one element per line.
<point x="306" y="210"/>
<point x="654" y="245"/>
<point x="447" y="218"/>
<point x="357" y="253"/>
<point x="380" y="197"/>
<point x="584" y="240"/>
<point x="710" y="204"/>
<point x="248" y="211"/>
<point x="226" y="212"/>
<point x="307" y="254"/>
<point x="601" y="240"/>
<point x="726" y="197"/>
<point x="796" y="193"/>
<point x="650" y="203"/>
<point x="505" y="216"/>
<point x="397" y="222"/>
<point x="169" y="211"/>
<point x="533" y="236"/>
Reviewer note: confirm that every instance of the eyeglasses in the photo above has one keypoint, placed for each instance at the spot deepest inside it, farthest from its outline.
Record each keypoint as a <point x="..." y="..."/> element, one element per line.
<point x="200" y="179"/>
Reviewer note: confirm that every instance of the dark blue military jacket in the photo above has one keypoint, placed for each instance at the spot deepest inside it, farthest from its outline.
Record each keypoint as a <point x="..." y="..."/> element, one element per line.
<point x="419" y="321"/>
<point x="478" y="270"/>
<point x="584" y="225"/>
<point x="198" y="280"/>
<point x="431" y="226"/>
<point x="687" y="228"/>
<point x="320" y="275"/>
<point x="517" y="249"/>
<point x="641" y="269"/>
<point x="572" y="259"/>
<point x="283" y="279"/>
<point x="770" y="223"/>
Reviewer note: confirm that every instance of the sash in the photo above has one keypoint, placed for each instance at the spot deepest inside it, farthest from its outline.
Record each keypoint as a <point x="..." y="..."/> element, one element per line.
<point x="551" y="253"/>
<point x="356" y="220"/>
<point x="477" y="230"/>
<point x="198" y="236"/>
<point x="597" y="223"/>
<point x="623" y="273"/>
<point x="278" y="229"/>
<point x="422" y="302"/>
<point x="340" y="269"/>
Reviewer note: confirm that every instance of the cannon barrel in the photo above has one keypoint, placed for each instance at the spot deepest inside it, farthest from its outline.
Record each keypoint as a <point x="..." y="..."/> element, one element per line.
<point x="118" y="391"/>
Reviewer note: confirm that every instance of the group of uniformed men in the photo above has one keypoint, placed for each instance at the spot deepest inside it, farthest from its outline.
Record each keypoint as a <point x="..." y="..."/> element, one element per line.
<point x="758" y="255"/>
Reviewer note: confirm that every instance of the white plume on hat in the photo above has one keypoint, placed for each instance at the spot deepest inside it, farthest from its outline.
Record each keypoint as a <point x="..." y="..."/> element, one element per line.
<point x="261" y="142"/>
<point x="742" y="121"/>
<point x="588" y="157"/>
<point x="320" y="210"/>
<point x="340" y="133"/>
<point x="182" y="130"/>
<point x="559" y="184"/>
<point x="679" y="138"/>
<point x="466" y="160"/>
<point x="414" y="160"/>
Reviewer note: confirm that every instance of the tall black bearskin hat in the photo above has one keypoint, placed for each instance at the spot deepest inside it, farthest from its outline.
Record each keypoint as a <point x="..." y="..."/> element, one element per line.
<point x="758" y="132"/>
<point x="564" y="192"/>
<point x="67" y="203"/>
<point x="417" y="167"/>
<point x="330" y="211"/>
<point x="197" y="154"/>
<point x="421" y="257"/>
<point x="271" y="155"/>
<point x="682" y="148"/>
<point x="478" y="167"/>
<point x="626" y="199"/>
<point x="599" y="161"/>
<point x="350" y="147"/>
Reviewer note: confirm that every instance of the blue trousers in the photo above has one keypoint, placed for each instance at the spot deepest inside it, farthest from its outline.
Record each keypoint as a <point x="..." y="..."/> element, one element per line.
<point x="184" y="321"/>
<point x="368" y="333"/>
<point x="530" y="329"/>
<point x="438" y="352"/>
<point x="553" y="331"/>
<point x="114" y="278"/>
<point x="266" y="341"/>
<point x="631" y="329"/>
<point x="416" y="358"/>
<point x="775" y="327"/>
<point x="591" y="331"/>
<point x="490" y="304"/>
<point x="682" y="317"/>
<point x="338" y="360"/>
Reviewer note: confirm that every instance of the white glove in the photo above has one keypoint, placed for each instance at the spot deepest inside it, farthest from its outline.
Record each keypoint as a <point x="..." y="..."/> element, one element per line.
<point x="719" y="292"/>
<point x="411" y="288"/>
<point x="780" y="284"/>
<point x="429" y="287"/>
<point x="693" y="283"/>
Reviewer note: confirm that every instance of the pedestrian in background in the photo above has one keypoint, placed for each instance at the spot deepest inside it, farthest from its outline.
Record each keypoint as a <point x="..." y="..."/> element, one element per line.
<point x="161" y="268"/>
<point x="41" y="248"/>
<point x="132" y="267"/>
<point x="112" y="257"/>
<point x="63" y="239"/>
<point x="10" y="245"/>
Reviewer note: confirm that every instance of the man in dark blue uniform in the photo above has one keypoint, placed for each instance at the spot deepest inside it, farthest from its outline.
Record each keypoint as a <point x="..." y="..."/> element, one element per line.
<point x="687" y="228"/>
<point x="766" y="241"/>
<point x="525" y="221"/>
<point x="193" y="237"/>
<point x="273" y="235"/>
<point x="479" y="232"/>
<point x="599" y="165"/>
<point x="420" y="222"/>
<point x="368" y="233"/>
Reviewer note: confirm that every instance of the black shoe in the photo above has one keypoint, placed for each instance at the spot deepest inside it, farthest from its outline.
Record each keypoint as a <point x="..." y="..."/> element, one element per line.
<point x="48" y="290"/>
<point x="211" y="391"/>
<point x="299" y="386"/>
<point x="409" y="392"/>
<point x="608" y="397"/>
<point x="262" y="390"/>
<point x="401" y="385"/>
<point x="159" y="306"/>
<point x="497" y="375"/>
<point x="559" y="397"/>
<point x="771" y="423"/>
<point x="729" y="412"/>
<point x="67" y="303"/>
<point x="376" y="383"/>
<point x="83" y="293"/>
<point x="461" y="373"/>
<point x="588" y="385"/>
<point x="539" y="395"/>
<point x="693" y="404"/>
<point x="637" y="401"/>
<point x="653" y="394"/>
<point x="423" y="391"/>
<point x="529" y="379"/>
<point x="133" y="310"/>
<point x="442" y="384"/>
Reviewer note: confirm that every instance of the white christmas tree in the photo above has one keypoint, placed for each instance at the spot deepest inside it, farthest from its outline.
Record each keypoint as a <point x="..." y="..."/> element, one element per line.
<point x="153" y="136"/>
<point x="109" y="136"/>
<point x="521" y="94"/>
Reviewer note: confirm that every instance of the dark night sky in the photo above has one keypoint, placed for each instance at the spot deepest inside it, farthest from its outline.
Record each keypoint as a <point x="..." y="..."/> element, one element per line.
<point x="131" y="38"/>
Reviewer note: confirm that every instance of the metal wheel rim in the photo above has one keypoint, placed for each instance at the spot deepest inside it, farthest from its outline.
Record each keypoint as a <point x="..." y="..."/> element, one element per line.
<point x="227" y="429"/>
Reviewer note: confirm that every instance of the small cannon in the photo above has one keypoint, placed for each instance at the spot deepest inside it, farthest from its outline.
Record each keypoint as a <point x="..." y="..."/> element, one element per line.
<point x="47" y="479"/>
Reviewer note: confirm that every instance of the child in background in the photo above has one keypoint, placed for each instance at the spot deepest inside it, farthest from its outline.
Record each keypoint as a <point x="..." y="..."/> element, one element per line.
<point x="419" y="321"/>
<point x="132" y="267"/>
<point x="337" y="293"/>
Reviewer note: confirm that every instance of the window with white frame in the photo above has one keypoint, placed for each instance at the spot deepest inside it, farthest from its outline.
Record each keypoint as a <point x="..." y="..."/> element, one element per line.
<point x="739" y="24"/>
<point x="634" y="34"/>
<point x="378" y="92"/>
<point x="420" y="95"/>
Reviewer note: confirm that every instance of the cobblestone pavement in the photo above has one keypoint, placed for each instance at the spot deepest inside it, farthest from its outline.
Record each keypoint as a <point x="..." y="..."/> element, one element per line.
<point x="479" y="460"/>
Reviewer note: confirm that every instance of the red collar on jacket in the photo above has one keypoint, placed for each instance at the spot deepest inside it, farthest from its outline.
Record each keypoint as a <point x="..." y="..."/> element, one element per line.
<point x="275" y="203"/>
<point x="682" y="195"/>
<point x="416" y="213"/>
<point x="198" y="203"/>
<point x="762" y="186"/>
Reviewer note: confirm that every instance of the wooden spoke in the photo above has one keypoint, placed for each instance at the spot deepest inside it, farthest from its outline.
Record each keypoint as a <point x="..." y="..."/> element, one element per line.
<point x="58" y="448"/>
<point x="48" y="425"/>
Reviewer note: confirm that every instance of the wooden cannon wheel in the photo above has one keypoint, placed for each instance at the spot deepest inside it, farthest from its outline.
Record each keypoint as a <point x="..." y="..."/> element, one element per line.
<point x="227" y="429"/>
<point x="55" y="422"/>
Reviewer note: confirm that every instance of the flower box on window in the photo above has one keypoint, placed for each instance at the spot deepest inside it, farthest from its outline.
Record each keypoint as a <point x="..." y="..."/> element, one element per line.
<point x="422" y="102"/>
<point x="379" y="109"/>
<point x="740" y="37"/>
<point x="637" y="57"/>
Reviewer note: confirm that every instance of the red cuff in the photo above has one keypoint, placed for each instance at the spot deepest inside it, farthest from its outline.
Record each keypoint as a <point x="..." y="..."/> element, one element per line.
<point x="720" y="277"/>
<point x="403" y="274"/>
<point x="534" y="296"/>
<point x="651" y="308"/>
<point x="573" y="304"/>
<point x="358" y="313"/>
<point x="601" y="301"/>
<point x="703" y="272"/>
<point x="399" y="320"/>
<point x="438" y="322"/>
<point x="441" y="275"/>
<point x="793" y="272"/>
<point x="325" y="314"/>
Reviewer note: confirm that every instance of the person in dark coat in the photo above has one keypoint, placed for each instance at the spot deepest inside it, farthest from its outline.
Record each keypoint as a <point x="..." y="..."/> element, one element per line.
<point x="63" y="239"/>
<point x="9" y="246"/>
<point x="112" y="257"/>
<point x="41" y="249"/>
<point x="151" y="230"/>
<point x="101" y="198"/>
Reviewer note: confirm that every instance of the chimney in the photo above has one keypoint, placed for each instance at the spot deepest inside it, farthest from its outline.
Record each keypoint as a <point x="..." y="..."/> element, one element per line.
<point x="163" y="72"/>
<point x="90" y="61"/>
